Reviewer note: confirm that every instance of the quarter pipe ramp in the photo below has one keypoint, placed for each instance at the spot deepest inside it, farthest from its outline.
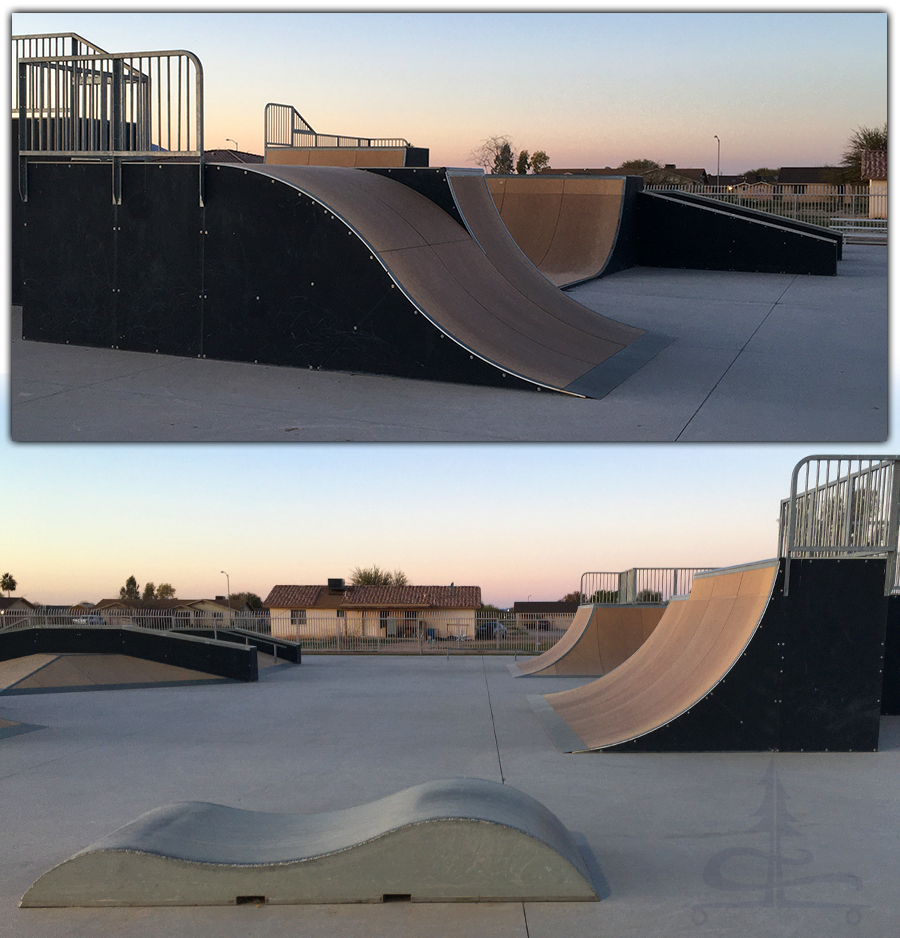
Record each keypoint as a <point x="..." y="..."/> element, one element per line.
<point x="738" y="666"/>
<point x="600" y="638"/>
<point x="572" y="228"/>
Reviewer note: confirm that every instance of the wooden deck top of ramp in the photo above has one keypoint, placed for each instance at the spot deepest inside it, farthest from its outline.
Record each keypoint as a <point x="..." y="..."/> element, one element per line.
<point x="697" y="641"/>
<point x="474" y="283"/>
<point x="446" y="840"/>
<point x="565" y="225"/>
<point x="600" y="638"/>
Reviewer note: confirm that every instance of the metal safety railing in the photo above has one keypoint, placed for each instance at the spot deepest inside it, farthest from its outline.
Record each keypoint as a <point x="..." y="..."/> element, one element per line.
<point x="639" y="584"/>
<point x="285" y="128"/>
<point x="842" y="506"/>
<point x="45" y="44"/>
<point x="482" y="631"/>
<point x="858" y="212"/>
<point x="97" y="105"/>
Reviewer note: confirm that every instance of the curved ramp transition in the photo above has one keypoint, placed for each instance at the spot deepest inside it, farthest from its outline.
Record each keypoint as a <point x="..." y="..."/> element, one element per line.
<point x="445" y="840"/>
<point x="568" y="226"/>
<point x="740" y="666"/>
<point x="696" y="643"/>
<point x="600" y="638"/>
<point x="472" y="281"/>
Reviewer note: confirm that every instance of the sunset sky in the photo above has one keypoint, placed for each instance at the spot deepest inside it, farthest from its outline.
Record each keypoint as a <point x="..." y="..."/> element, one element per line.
<point x="590" y="88"/>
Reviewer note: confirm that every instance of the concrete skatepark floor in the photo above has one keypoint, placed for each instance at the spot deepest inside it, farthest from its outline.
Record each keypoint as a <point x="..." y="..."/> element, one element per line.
<point x="754" y="844"/>
<point x="756" y="358"/>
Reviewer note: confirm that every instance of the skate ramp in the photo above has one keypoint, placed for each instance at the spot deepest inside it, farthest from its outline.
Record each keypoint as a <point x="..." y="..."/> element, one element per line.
<point x="600" y="638"/>
<point x="696" y="643"/>
<point x="567" y="226"/>
<point x="739" y="666"/>
<point x="472" y="281"/>
<point x="442" y="841"/>
<point x="44" y="673"/>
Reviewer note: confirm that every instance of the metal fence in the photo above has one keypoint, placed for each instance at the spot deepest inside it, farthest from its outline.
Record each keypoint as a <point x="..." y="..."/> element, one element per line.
<point x="842" y="506"/>
<point x="857" y="212"/>
<point x="286" y="127"/>
<point x="637" y="585"/>
<point x="488" y="631"/>
<point x="98" y="105"/>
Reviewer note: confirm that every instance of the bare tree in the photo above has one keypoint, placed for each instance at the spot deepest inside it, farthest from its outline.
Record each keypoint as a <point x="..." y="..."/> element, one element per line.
<point x="375" y="576"/>
<point x="862" y="139"/>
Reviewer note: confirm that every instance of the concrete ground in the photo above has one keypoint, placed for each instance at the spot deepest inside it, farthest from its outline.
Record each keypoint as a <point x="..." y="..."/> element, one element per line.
<point x="756" y="358"/>
<point x="709" y="845"/>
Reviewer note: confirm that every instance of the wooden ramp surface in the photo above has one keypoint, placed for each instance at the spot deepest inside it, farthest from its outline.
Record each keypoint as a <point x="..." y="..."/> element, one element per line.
<point x="600" y="638"/>
<point x="697" y="641"/>
<point x="565" y="225"/>
<point x="474" y="283"/>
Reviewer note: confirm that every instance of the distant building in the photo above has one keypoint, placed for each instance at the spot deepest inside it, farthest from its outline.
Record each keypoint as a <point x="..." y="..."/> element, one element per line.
<point x="14" y="609"/>
<point x="551" y="615"/>
<point x="799" y="178"/>
<point x="370" y="611"/>
<point x="165" y="613"/>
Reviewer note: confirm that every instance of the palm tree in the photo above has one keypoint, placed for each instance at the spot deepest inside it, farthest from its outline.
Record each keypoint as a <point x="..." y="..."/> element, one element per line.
<point x="8" y="583"/>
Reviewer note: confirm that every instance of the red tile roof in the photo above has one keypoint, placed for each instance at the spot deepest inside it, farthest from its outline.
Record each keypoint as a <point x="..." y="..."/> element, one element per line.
<point x="354" y="597"/>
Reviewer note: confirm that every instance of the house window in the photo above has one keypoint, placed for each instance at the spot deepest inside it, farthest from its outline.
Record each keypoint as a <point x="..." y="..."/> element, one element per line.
<point x="340" y="613"/>
<point x="298" y="617"/>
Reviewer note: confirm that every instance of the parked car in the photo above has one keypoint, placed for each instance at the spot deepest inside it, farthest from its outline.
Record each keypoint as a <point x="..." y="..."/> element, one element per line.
<point x="89" y="620"/>
<point x="490" y="628"/>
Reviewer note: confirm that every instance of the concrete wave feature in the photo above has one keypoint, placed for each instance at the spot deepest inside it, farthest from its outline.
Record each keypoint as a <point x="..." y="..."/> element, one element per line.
<point x="695" y="645"/>
<point x="600" y="638"/>
<point x="447" y="840"/>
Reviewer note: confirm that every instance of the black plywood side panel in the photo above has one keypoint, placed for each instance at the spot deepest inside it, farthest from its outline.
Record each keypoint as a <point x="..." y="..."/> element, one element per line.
<point x="890" y="697"/>
<point x="68" y="245"/>
<point x="675" y="233"/>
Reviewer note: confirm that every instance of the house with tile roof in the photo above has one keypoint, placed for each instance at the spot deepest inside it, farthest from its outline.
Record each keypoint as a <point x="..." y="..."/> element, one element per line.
<point x="372" y="611"/>
<point x="14" y="609"/>
<point x="874" y="169"/>
<point x="166" y="613"/>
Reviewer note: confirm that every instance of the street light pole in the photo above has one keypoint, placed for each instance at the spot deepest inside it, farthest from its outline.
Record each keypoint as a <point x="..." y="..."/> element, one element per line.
<point x="229" y="140"/>
<point x="228" y="587"/>
<point x="718" y="162"/>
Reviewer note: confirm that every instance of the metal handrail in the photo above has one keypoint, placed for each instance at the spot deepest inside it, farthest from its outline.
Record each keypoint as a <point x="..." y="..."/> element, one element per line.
<point x="122" y="106"/>
<point x="637" y="584"/>
<point x="848" y="506"/>
<point x="284" y="126"/>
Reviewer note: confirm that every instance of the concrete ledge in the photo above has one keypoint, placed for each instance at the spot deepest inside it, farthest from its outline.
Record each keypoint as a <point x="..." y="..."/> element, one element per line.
<point x="449" y="840"/>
